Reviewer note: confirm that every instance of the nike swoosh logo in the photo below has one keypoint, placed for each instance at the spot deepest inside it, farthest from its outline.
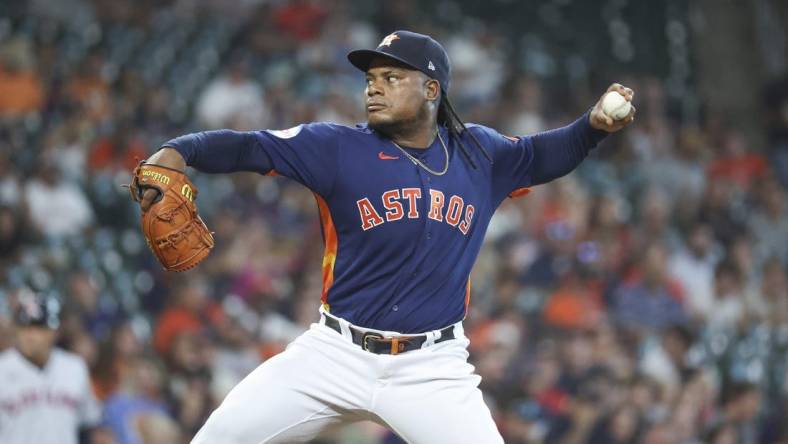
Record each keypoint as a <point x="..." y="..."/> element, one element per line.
<point x="384" y="156"/>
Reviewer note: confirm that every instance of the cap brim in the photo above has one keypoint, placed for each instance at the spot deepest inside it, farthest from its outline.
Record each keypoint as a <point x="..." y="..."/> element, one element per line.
<point x="361" y="58"/>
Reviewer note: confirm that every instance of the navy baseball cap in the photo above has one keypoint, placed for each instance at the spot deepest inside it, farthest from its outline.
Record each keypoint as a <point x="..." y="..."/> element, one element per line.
<point x="419" y="51"/>
<point x="38" y="310"/>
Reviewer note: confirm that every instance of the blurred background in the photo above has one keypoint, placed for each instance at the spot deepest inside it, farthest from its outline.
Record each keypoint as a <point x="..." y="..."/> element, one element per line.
<point x="641" y="299"/>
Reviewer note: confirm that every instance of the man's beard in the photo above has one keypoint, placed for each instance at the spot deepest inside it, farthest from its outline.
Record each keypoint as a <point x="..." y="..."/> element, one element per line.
<point x="401" y="128"/>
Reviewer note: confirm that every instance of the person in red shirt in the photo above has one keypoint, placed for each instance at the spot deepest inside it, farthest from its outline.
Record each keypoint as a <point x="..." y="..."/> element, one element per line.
<point x="187" y="314"/>
<point x="737" y="164"/>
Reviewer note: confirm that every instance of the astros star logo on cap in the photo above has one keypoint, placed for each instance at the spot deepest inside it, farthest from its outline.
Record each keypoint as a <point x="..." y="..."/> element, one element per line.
<point x="388" y="39"/>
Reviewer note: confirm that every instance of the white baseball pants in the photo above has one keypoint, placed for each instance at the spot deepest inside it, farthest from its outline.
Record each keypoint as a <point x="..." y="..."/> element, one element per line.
<point x="322" y="380"/>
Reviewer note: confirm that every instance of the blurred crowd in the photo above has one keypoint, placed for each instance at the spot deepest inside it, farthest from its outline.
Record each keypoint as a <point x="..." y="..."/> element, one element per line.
<point x="644" y="298"/>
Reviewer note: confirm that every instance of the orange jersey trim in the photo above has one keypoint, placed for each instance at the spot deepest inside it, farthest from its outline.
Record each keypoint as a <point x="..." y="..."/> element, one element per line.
<point x="272" y="173"/>
<point x="330" y="250"/>
<point x="519" y="192"/>
<point x="467" y="295"/>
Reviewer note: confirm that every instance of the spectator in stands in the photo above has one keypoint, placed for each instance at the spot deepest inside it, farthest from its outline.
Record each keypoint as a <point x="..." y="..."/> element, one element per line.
<point x="236" y="354"/>
<point x="89" y="89"/>
<point x="740" y="407"/>
<point x="693" y="268"/>
<point x="120" y="151"/>
<point x="665" y="360"/>
<point x="769" y="223"/>
<point x="119" y="351"/>
<point x="477" y="67"/>
<point x="770" y="303"/>
<point x="529" y="117"/>
<point x="139" y="395"/>
<point x="188" y="364"/>
<point x="556" y="254"/>
<point x="576" y="303"/>
<point x="158" y="429"/>
<point x="654" y="224"/>
<point x="21" y="92"/>
<point x="95" y="317"/>
<point x="729" y="301"/>
<point x="187" y="313"/>
<point x="723" y="433"/>
<point x="12" y="235"/>
<point x="650" y="300"/>
<point x="300" y="20"/>
<point x="10" y="183"/>
<point x="681" y="174"/>
<point x="740" y="252"/>
<point x="609" y="236"/>
<point x="233" y="100"/>
<point x="66" y="146"/>
<point x="737" y="164"/>
<point x="622" y="426"/>
<point x="57" y="208"/>
<point x="716" y="210"/>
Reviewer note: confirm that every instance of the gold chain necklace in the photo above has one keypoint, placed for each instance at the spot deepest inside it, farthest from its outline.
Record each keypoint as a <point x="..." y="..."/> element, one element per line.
<point x="419" y="163"/>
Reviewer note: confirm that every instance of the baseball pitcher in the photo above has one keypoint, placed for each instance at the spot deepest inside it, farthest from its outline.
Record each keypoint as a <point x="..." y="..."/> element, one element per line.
<point x="404" y="202"/>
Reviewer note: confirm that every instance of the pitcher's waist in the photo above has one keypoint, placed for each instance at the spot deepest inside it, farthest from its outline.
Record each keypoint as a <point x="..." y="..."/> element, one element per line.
<point x="388" y="342"/>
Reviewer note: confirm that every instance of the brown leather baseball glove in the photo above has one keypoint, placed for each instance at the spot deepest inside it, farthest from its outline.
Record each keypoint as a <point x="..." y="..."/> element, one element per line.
<point x="173" y="230"/>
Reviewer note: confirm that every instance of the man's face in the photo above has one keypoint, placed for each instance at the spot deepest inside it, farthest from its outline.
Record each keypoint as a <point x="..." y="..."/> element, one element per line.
<point x="396" y="94"/>
<point x="701" y="240"/>
<point x="655" y="264"/>
<point x="35" y="341"/>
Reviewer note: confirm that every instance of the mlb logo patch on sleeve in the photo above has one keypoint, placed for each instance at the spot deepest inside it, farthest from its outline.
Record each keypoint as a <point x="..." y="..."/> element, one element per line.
<point x="286" y="133"/>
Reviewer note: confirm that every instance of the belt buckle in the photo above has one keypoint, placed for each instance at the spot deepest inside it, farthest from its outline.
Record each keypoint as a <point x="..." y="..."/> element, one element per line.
<point x="365" y="338"/>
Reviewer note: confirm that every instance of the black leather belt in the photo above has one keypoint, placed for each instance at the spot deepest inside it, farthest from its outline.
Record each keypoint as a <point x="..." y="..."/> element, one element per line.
<point x="376" y="343"/>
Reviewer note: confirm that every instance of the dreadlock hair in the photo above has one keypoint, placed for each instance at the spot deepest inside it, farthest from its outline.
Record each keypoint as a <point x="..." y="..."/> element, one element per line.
<point x="448" y="117"/>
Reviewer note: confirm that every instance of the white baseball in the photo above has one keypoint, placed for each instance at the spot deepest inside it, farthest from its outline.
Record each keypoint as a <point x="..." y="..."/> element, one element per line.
<point x="615" y="105"/>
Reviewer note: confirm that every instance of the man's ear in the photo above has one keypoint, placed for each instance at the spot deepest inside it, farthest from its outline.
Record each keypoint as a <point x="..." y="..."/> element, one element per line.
<point x="432" y="89"/>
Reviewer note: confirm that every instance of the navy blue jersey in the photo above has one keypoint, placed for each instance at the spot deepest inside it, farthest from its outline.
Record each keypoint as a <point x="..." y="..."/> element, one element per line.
<point x="400" y="242"/>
